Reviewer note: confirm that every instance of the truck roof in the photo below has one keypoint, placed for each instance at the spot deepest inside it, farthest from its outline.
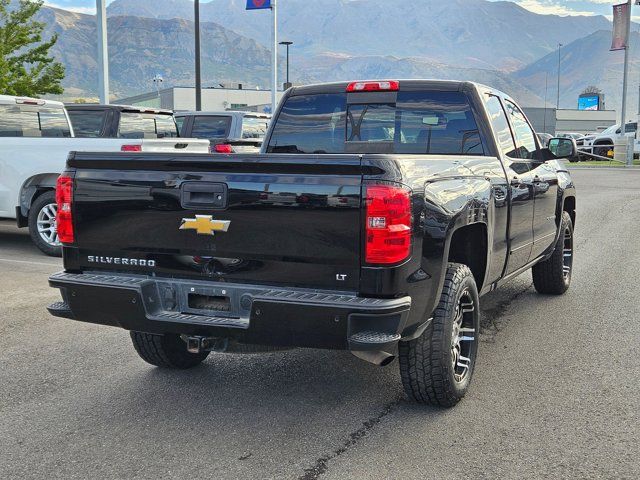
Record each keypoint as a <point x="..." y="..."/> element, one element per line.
<point x="120" y="108"/>
<point x="407" y="84"/>
<point x="13" y="100"/>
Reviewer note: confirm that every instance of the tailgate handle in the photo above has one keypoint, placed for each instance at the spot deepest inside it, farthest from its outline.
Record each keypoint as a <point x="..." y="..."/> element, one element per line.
<point x="203" y="195"/>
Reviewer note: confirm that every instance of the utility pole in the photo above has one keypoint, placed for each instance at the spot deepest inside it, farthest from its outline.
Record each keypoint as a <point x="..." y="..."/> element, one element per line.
<point x="196" y="7"/>
<point x="103" y="52"/>
<point x="625" y="79"/>
<point x="558" y="101"/>
<point x="546" y="89"/>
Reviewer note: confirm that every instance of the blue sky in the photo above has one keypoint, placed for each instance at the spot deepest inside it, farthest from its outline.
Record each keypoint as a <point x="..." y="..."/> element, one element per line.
<point x="558" y="7"/>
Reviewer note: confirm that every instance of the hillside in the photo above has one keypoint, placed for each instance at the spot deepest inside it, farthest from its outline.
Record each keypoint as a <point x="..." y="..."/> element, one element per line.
<point x="474" y="33"/>
<point x="585" y="62"/>
<point x="140" y="48"/>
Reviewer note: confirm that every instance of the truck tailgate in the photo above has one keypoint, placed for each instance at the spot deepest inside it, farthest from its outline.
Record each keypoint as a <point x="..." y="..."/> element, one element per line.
<point x="276" y="219"/>
<point x="175" y="145"/>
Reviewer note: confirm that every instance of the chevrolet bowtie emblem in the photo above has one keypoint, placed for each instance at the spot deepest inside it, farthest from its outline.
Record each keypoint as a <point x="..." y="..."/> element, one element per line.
<point x="205" y="225"/>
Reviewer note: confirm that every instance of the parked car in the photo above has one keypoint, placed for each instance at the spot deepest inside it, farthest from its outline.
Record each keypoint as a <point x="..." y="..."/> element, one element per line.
<point x="228" y="132"/>
<point x="455" y="196"/>
<point x="601" y="143"/>
<point x="35" y="139"/>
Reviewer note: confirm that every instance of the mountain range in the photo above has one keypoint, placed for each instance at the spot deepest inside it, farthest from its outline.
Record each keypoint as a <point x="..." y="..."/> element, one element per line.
<point x="497" y="43"/>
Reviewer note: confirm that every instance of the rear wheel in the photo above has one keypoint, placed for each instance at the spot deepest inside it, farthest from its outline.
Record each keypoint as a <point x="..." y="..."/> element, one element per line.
<point x="553" y="276"/>
<point x="436" y="367"/>
<point x="42" y="224"/>
<point x="165" y="351"/>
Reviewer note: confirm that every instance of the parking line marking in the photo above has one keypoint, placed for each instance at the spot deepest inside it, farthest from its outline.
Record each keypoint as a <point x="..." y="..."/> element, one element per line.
<point x="30" y="263"/>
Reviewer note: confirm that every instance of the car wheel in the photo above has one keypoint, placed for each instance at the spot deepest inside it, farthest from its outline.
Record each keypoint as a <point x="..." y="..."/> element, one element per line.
<point x="165" y="351"/>
<point x="553" y="276"/>
<point x="602" y="151"/>
<point x="436" y="367"/>
<point x="42" y="224"/>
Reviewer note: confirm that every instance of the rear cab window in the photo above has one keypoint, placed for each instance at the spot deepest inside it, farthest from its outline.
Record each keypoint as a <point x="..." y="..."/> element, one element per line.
<point x="417" y="122"/>
<point x="211" y="127"/>
<point x="254" y="127"/>
<point x="146" y="125"/>
<point x="33" y="121"/>
<point x="88" y="123"/>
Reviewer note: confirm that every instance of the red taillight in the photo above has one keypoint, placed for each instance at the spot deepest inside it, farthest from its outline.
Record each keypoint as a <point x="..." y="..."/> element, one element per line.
<point x="381" y="86"/>
<point x="388" y="224"/>
<point x="131" y="148"/>
<point x="64" y="199"/>
<point x="222" y="148"/>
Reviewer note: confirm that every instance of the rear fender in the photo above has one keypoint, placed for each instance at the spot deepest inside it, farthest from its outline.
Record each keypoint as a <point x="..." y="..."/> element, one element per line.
<point x="451" y="204"/>
<point x="31" y="189"/>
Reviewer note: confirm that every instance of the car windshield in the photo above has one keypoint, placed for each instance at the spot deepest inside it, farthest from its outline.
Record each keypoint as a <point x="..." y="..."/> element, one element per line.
<point x="428" y="122"/>
<point x="611" y="129"/>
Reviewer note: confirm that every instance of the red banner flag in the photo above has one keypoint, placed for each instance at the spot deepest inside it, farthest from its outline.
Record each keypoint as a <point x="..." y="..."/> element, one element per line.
<point x="621" y="16"/>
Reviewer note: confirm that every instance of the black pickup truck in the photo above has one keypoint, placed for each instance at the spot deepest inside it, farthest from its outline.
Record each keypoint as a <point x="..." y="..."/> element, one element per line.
<point x="373" y="220"/>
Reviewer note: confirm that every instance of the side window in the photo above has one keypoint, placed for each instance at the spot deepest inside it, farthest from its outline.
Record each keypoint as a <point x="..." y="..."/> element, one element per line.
<point x="525" y="138"/>
<point x="501" y="126"/>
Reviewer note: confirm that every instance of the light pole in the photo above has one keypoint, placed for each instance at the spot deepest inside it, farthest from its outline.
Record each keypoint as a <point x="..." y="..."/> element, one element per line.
<point x="103" y="53"/>
<point x="558" y="101"/>
<point x="287" y="44"/>
<point x="196" y="6"/>
<point x="157" y="80"/>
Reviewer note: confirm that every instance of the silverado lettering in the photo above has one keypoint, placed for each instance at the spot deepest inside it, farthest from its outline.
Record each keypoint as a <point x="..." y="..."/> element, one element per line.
<point x="134" y="262"/>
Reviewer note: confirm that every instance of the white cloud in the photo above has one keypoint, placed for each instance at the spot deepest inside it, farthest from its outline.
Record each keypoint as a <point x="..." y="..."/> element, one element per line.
<point x="87" y="10"/>
<point x="547" y="7"/>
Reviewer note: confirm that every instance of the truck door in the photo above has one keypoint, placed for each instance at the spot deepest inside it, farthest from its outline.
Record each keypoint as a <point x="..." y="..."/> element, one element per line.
<point x="545" y="187"/>
<point x="544" y="181"/>
<point x="520" y="178"/>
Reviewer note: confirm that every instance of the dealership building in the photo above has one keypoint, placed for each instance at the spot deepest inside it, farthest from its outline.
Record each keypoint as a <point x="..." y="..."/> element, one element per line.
<point x="213" y="99"/>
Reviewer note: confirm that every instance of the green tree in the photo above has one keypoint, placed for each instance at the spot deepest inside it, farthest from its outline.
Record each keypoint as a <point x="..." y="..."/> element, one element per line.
<point x="26" y="67"/>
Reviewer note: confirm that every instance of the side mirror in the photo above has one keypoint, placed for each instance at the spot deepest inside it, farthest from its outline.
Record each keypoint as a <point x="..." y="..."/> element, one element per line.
<point x="563" y="147"/>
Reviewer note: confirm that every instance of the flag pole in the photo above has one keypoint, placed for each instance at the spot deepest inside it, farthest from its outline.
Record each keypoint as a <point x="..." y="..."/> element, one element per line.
<point x="274" y="58"/>
<point x="625" y="78"/>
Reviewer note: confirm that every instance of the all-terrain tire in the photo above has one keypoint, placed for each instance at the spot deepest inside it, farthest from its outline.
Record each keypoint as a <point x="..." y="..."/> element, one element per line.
<point x="43" y="201"/>
<point x="427" y="362"/>
<point x="165" y="351"/>
<point x="552" y="276"/>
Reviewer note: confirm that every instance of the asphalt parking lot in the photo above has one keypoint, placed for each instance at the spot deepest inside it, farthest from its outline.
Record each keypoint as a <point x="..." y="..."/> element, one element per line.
<point x="555" y="393"/>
